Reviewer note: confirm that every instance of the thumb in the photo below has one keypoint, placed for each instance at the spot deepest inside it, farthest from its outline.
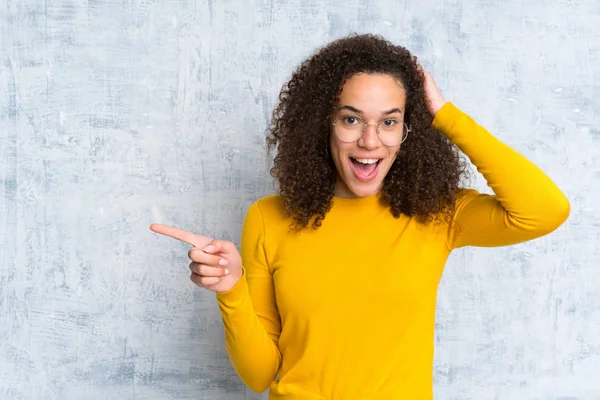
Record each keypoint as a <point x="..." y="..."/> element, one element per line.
<point x="220" y="247"/>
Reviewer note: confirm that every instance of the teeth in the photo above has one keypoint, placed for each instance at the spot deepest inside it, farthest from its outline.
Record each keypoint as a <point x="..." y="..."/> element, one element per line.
<point x="367" y="160"/>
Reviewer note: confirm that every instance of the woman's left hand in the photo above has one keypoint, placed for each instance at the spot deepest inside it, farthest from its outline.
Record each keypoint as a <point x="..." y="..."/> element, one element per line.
<point x="435" y="99"/>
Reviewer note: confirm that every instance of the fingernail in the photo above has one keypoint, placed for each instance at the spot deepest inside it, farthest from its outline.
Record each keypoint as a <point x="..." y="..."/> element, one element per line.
<point x="226" y="271"/>
<point x="223" y="262"/>
<point x="209" y="249"/>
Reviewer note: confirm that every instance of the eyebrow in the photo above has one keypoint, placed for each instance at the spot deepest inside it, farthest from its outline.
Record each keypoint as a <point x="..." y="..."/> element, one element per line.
<point x="356" y="110"/>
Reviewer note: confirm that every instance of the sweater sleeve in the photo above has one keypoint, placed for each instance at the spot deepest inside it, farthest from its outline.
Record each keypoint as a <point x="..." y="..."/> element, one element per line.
<point x="249" y="312"/>
<point x="526" y="204"/>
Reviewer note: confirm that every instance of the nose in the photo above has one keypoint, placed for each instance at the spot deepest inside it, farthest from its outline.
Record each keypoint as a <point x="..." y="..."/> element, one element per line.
<point x="370" y="140"/>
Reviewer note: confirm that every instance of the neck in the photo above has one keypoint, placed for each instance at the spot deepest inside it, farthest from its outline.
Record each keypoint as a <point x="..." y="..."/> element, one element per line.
<point x="343" y="191"/>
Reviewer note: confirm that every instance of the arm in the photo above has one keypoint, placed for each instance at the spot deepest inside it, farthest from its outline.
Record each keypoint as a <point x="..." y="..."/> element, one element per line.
<point x="526" y="204"/>
<point x="249" y="311"/>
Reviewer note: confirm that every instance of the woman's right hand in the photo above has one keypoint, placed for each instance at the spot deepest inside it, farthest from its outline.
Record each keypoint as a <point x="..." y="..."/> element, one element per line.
<point x="216" y="264"/>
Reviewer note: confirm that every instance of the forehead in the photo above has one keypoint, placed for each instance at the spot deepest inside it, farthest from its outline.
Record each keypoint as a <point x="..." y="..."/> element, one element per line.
<point x="373" y="91"/>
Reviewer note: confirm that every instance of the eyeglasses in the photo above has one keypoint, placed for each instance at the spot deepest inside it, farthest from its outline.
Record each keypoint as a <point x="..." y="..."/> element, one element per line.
<point x="391" y="132"/>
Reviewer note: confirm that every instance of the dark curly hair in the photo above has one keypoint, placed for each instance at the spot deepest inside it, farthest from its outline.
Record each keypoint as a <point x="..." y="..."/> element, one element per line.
<point x="424" y="179"/>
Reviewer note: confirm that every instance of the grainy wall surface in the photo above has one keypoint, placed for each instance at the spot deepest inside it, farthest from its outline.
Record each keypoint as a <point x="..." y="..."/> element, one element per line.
<point x="115" y="114"/>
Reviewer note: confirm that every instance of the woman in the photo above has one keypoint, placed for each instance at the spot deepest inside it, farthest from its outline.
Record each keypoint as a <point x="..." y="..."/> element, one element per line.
<point x="335" y="298"/>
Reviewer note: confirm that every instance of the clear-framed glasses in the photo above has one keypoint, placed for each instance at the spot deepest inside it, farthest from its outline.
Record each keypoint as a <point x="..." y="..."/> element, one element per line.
<point x="391" y="131"/>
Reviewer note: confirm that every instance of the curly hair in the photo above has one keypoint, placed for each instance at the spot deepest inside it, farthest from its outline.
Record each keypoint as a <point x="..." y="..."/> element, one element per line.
<point x="424" y="179"/>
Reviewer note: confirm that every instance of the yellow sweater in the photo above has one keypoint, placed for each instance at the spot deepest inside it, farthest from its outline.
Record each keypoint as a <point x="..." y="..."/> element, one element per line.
<point x="347" y="311"/>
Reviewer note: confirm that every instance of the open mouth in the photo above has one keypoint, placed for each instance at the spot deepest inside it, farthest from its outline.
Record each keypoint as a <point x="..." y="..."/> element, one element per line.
<point x="365" y="169"/>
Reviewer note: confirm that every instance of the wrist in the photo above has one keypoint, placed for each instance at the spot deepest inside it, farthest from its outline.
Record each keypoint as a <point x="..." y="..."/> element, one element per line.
<point x="436" y="106"/>
<point x="238" y="276"/>
<point x="234" y="279"/>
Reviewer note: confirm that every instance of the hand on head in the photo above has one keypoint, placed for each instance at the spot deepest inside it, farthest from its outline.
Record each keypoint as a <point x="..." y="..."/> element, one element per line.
<point x="435" y="98"/>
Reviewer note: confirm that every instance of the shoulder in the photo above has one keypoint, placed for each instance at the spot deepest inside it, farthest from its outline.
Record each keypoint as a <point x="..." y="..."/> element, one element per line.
<point x="465" y="195"/>
<point x="266" y="221"/>
<point x="462" y="198"/>
<point x="270" y="209"/>
<point x="270" y="202"/>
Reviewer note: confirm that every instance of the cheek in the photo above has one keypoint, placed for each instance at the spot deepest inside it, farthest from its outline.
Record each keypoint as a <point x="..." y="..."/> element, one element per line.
<point x="393" y="155"/>
<point x="336" y="151"/>
<point x="339" y="154"/>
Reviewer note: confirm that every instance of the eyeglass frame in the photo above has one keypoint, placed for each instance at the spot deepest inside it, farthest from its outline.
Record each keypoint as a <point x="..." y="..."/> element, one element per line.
<point x="364" y="129"/>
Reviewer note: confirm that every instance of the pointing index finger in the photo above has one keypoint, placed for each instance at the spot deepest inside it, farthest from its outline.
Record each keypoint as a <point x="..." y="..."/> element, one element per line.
<point x="180" y="234"/>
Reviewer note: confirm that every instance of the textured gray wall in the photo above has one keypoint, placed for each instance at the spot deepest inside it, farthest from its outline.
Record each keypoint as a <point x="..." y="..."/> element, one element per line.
<point x="115" y="114"/>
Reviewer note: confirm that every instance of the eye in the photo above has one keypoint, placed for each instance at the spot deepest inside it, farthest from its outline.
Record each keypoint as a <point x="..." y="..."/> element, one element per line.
<point x="389" y="122"/>
<point x="350" y="120"/>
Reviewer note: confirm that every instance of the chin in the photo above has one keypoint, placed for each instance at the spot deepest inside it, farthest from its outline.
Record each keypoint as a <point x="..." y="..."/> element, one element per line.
<point x="364" y="192"/>
<point x="359" y="189"/>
